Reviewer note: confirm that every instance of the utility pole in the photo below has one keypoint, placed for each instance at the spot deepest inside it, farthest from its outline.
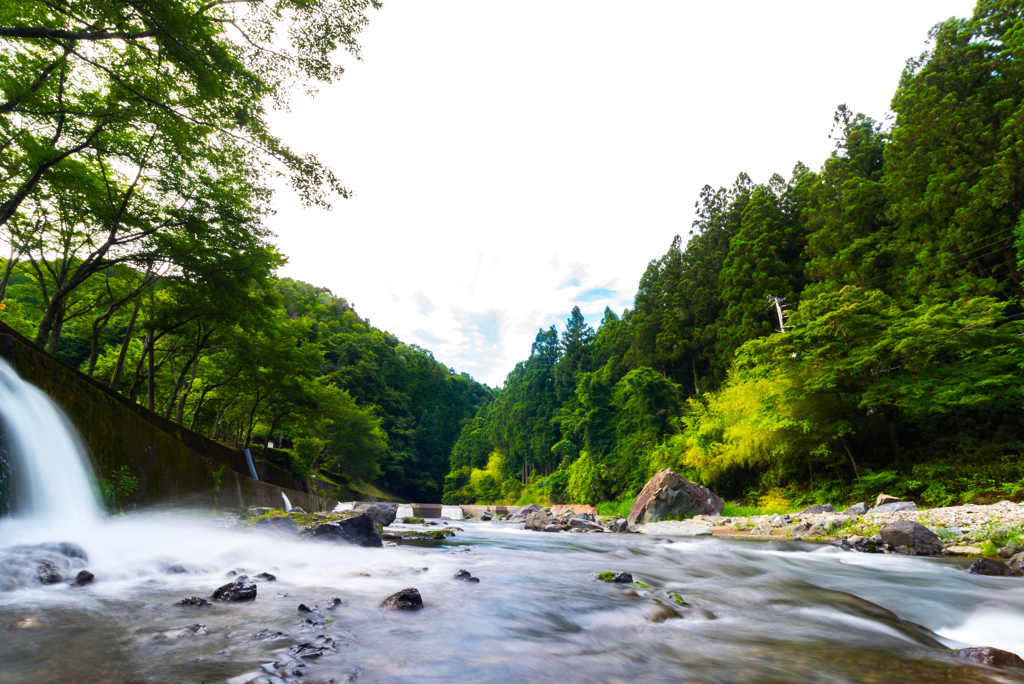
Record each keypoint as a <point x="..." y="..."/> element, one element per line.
<point x="778" y="302"/>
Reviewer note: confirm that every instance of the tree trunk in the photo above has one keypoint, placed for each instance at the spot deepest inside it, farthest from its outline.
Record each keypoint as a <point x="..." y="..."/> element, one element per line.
<point x="150" y="376"/>
<point x="8" y="269"/>
<point x="850" y="454"/>
<point x="124" y="347"/>
<point x="894" y="440"/>
<point x="133" y="392"/>
<point x="53" y="343"/>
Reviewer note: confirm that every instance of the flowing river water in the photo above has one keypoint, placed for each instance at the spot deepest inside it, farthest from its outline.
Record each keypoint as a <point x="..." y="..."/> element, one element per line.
<point x="757" y="611"/>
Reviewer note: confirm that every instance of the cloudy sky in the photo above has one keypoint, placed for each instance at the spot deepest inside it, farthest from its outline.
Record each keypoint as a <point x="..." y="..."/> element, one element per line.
<point x="513" y="159"/>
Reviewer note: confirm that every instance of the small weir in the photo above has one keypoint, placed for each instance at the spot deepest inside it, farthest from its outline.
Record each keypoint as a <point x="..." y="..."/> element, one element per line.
<point x="708" y="610"/>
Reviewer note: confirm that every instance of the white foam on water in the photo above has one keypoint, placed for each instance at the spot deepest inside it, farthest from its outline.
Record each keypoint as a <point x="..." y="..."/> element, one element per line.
<point x="989" y="626"/>
<point x="53" y="477"/>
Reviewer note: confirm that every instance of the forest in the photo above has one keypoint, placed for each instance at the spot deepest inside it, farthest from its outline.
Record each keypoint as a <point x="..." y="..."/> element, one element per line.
<point x="817" y="337"/>
<point x="823" y="335"/>
<point x="135" y="170"/>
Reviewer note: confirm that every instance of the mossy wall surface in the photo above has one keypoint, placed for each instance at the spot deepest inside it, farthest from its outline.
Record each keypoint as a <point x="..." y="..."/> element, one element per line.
<point x="174" y="465"/>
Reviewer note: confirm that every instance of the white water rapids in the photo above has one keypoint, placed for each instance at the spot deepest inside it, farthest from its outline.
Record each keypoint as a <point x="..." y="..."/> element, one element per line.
<point x="757" y="611"/>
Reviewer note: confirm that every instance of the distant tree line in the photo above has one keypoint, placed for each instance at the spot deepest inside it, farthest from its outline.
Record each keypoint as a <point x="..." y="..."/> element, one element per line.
<point x="897" y="270"/>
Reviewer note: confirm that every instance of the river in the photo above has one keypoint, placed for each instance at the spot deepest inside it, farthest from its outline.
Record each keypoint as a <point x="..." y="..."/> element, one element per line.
<point x="758" y="611"/>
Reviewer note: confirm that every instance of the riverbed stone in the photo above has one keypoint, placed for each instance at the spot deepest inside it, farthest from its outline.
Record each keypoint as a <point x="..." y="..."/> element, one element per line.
<point x="581" y="523"/>
<point x="236" y="592"/>
<point x="667" y="495"/>
<point x="914" y="537"/>
<point x="407" y="599"/>
<point x="1010" y="551"/>
<point x="486" y="516"/>
<point x="993" y="568"/>
<point x="895" y="507"/>
<point x="539" y="519"/>
<point x="817" y="510"/>
<point x="886" y="499"/>
<point x="957" y="550"/>
<point x="360" y="530"/>
<point x="382" y="513"/>
<point x="856" y="509"/>
<point x="523" y="512"/>
<point x="993" y="657"/>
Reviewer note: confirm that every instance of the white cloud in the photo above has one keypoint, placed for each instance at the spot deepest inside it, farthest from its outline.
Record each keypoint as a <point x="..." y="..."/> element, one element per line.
<point x="511" y="160"/>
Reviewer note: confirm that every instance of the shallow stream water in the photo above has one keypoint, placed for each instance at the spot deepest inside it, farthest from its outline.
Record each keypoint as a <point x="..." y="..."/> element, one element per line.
<point x="758" y="611"/>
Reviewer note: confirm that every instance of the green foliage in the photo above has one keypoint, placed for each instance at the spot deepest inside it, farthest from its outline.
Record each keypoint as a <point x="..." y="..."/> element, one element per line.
<point x="118" y="487"/>
<point x="609" y="508"/>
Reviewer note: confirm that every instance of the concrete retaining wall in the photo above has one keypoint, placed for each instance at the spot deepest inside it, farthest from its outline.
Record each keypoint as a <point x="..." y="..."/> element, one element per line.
<point x="173" y="464"/>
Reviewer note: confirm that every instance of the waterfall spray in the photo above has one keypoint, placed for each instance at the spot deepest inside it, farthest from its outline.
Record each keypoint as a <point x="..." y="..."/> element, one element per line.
<point x="52" y="480"/>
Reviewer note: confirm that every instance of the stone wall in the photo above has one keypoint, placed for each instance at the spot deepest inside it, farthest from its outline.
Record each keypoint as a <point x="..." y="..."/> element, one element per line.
<point x="174" y="465"/>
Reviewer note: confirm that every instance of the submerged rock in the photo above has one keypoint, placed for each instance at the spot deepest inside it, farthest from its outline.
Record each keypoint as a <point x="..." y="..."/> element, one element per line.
<point x="382" y="513"/>
<point x="27" y="565"/>
<point x="991" y="656"/>
<point x="407" y="599"/>
<point x="667" y="495"/>
<point x="616" y="577"/>
<point x="195" y="602"/>
<point x="84" y="577"/>
<point x="984" y="566"/>
<point x="359" y="529"/>
<point x="465" y="576"/>
<point x="906" y="536"/>
<point x="236" y="592"/>
<point x="265" y="577"/>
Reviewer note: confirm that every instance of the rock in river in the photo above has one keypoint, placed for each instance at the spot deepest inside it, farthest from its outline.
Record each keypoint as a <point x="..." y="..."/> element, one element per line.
<point x="984" y="566"/>
<point x="359" y="529"/>
<point x="235" y="592"/>
<point x="906" y="536"/>
<point x="667" y="495"/>
<point x="538" y="519"/>
<point x="382" y="513"/>
<point x="407" y="599"/>
<point x="991" y="656"/>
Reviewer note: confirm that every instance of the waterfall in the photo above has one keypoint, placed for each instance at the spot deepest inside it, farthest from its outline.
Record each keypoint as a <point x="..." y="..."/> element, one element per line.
<point x="287" y="503"/>
<point x="53" y="481"/>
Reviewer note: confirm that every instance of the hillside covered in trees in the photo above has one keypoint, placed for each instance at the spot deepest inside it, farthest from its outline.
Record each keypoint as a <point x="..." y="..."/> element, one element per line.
<point x="135" y="165"/>
<point x="897" y="269"/>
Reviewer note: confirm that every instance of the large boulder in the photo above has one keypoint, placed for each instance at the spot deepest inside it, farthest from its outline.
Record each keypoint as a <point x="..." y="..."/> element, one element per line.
<point x="539" y="519"/>
<point x="382" y="513"/>
<point x="910" y="537"/>
<point x="26" y="565"/>
<point x="667" y="495"/>
<point x="359" y="529"/>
